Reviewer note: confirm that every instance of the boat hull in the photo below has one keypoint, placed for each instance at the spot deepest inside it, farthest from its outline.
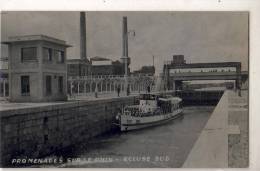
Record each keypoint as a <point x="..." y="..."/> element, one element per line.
<point x="128" y="123"/>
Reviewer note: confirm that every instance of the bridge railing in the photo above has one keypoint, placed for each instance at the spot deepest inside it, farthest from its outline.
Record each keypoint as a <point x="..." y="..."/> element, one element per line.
<point x="109" y="84"/>
<point x="203" y="73"/>
<point x="105" y="77"/>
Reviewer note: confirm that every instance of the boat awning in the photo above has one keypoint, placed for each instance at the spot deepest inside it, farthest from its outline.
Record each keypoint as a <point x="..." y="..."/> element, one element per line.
<point x="172" y="99"/>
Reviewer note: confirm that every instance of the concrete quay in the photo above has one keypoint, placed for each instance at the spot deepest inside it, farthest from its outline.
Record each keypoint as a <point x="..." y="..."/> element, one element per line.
<point x="224" y="140"/>
<point x="34" y="130"/>
<point x="5" y="105"/>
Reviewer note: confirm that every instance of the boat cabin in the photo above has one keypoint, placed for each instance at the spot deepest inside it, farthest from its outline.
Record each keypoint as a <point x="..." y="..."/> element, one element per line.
<point x="148" y="102"/>
<point x="153" y="104"/>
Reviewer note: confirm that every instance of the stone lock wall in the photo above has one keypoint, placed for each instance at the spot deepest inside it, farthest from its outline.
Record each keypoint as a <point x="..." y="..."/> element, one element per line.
<point x="36" y="132"/>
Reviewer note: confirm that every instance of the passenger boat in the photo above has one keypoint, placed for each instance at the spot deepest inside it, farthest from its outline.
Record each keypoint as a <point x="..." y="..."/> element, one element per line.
<point x="152" y="110"/>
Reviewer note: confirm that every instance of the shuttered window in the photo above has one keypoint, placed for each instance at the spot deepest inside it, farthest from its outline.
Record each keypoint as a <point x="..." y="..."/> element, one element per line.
<point x="47" y="54"/>
<point x="59" y="55"/>
<point x="29" y="54"/>
<point x="48" y="85"/>
<point x="60" y="84"/>
<point x="25" y="85"/>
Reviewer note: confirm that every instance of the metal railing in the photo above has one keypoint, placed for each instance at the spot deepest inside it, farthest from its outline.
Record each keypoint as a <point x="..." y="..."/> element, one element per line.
<point x="109" y="83"/>
<point x="105" y="84"/>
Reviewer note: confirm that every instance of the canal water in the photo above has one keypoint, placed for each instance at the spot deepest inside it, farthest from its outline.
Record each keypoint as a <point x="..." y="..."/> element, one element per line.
<point x="165" y="145"/>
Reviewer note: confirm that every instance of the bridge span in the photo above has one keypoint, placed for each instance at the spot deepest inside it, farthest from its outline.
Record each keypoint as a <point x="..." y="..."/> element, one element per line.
<point x="178" y="70"/>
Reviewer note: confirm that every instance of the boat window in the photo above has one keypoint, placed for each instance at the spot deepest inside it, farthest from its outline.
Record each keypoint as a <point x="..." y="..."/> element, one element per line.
<point x="147" y="97"/>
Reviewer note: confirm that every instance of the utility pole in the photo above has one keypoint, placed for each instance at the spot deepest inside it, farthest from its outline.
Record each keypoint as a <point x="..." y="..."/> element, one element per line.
<point x="153" y="60"/>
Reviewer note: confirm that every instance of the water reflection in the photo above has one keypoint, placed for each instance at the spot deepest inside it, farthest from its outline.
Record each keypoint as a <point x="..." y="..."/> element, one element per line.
<point x="161" y="146"/>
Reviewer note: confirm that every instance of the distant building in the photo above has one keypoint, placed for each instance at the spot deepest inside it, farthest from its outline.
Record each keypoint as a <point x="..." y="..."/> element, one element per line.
<point x="145" y="70"/>
<point x="37" y="68"/>
<point x="78" y="67"/>
<point x="178" y="59"/>
<point x="104" y="66"/>
<point x="119" y="68"/>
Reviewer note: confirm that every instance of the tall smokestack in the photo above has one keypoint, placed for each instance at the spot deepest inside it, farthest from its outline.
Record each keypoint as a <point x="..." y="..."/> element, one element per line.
<point x="83" y="49"/>
<point x="125" y="37"/>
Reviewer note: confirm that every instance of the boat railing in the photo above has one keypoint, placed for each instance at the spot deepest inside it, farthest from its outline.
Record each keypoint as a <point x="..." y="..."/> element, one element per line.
<point x="139" y="113"/>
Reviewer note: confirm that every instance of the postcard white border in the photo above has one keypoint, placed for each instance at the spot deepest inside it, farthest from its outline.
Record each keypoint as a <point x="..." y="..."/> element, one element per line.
<point x="253" y="6"/>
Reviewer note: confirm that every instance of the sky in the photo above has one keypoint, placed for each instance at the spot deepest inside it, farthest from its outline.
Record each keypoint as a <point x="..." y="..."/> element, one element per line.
<point x="199" y="36"/>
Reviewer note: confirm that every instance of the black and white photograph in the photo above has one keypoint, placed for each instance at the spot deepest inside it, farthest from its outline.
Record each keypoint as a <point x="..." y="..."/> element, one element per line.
<point x="124" y="89"/>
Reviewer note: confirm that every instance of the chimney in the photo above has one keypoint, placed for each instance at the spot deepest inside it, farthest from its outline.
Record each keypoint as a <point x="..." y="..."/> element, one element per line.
<point x="125" y="37"/>
<point x="83" y="50"/>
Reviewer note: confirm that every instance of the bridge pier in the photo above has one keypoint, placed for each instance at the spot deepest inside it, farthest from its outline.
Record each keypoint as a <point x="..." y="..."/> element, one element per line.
<point x="176" y="85"/>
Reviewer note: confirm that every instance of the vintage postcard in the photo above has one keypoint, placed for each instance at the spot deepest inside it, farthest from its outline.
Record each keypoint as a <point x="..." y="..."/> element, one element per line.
<point x="124" y="89"/>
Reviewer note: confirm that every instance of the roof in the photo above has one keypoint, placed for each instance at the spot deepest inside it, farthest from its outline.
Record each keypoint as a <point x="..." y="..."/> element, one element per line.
<point x="172" y="99"/>
<point x="25" y="38"/>
<point x="78" y="61"/>
<point x="145" y="70"/>
<point x="98" y="58"/>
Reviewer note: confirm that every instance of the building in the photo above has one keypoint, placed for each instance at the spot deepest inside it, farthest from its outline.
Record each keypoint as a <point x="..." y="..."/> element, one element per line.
<point x="119" y="68"/>
<point x="104" y="66"/>
<point x="78" y="67"/>
<point x="4" y="77"/>
<point x="101" y="66"/>
<point x="178" y="59"/>
<point x="145" y="70"/>
<point x="37" y="68"/>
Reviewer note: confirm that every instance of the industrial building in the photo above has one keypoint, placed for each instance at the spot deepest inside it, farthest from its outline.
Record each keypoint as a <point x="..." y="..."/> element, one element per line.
<point x="104" y="66"/>
<point x="145" y="70"/>
<point x="96" y="66"/>
<point x="78" y="67"/>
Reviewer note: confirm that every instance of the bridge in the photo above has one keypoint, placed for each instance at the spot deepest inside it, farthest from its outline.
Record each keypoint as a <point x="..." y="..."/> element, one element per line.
<point x="178" y="70"/>
<point x="209" y="76"/>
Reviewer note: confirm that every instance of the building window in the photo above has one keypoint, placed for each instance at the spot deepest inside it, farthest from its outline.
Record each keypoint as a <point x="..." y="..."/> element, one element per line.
<point x="25" y="85"/>
<point x="48" y="85"/>
<point x="60" y="84"/>
<point x="59" y="56"/>
<point x="83" y="72"/>
<point x="28" y="54"/>
<point x="47" y="54"/>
